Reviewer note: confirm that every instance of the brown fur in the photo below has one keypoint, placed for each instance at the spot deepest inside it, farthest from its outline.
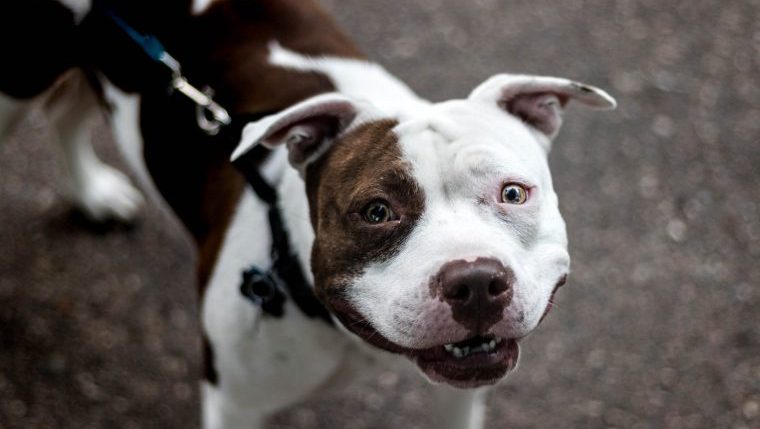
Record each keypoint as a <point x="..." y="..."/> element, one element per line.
<point x="238" y="33"/>
<point x="237" y="69"/>
<point x="363" y="166"/>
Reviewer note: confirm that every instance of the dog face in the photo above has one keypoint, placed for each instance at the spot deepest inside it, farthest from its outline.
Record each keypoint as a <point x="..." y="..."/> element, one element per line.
<point x="437" y="235"/>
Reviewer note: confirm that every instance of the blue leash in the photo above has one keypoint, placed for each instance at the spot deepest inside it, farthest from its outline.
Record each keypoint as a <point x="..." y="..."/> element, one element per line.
<point x="150" y="44"/>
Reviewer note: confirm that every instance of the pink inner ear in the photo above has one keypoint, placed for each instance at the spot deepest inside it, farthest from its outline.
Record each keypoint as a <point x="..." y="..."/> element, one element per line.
<point x="541" y="110"/>
<point x="305" y="137"/>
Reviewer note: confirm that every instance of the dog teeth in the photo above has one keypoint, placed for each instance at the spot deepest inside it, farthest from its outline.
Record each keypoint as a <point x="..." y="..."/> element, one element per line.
<point x="461" y="352"/>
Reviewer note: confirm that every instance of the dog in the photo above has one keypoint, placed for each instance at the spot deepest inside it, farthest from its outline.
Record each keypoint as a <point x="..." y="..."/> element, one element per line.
<point x="429" y="233"/>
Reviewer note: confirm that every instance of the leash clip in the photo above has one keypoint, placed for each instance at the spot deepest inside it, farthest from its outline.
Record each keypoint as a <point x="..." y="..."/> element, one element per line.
<point x="209" y="114"/>
<point x="211" y="117"/>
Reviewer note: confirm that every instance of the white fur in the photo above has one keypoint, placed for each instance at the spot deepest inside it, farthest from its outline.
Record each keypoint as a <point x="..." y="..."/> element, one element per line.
<point x="79" y="7"/>
<point x="445" y="144"/>
<point x="267" y="364"/>
<point x="461" y="152"/>
<point x="264" y="363"/>
<point x="200" y="6"/>
<point x="256" y="132"/>
<point x="457" y="408"/>
<point x="503" y="86"/>
<point x="101" y="191"/>
<point x="124" y="119"/>
<point x="238" y="331"/>
<point x="360" y="80"/>
<point x="252" y="350"/>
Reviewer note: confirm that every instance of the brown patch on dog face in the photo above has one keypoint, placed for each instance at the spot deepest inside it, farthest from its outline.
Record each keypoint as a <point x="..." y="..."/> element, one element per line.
<point x="362" y="167"/>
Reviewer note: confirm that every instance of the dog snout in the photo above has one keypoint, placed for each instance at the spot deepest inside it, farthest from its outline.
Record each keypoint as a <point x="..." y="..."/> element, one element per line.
<point x="477" y="291"/>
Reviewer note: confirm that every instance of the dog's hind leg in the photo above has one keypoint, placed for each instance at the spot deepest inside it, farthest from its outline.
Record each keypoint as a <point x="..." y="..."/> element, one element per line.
<point x="101" y="192"/>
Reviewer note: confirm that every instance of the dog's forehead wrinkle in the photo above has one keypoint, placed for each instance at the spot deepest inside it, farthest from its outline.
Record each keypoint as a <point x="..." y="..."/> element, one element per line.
<point x="461" y="169"/>
<point x="457" y="125"/>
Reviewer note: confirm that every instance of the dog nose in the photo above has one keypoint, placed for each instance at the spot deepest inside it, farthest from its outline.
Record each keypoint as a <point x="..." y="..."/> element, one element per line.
<point x="477" y="291"/>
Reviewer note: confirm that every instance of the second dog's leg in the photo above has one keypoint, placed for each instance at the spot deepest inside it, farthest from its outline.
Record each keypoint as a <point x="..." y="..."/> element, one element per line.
<point x="459" y="409"/>
<point x="220" y="413"/>
<point x="101" y="192"/>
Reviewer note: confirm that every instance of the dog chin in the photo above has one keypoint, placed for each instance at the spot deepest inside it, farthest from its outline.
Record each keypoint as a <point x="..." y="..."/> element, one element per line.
<point x="477" y="361"/>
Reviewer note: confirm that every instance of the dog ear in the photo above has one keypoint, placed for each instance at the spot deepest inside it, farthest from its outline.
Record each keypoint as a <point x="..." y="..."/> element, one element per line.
<point x="539" y="100"/>
<point x="307" y="128"/>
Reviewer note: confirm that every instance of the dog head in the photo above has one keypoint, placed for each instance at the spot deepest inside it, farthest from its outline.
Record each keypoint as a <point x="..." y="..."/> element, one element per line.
<point x="437" y="235"/>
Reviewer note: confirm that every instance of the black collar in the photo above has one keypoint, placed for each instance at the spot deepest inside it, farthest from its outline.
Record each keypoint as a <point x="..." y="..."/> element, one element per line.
<point x="269" y="288"/>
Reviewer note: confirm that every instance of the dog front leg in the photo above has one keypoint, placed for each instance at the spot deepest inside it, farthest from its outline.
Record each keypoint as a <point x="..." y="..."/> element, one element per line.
<point x="219" y="412"/>
<point x="458" y="408"/>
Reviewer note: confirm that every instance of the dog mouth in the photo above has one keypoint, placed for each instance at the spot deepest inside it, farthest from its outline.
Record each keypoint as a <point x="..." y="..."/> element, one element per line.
<point x="473" y="362"/>
<point x="474" y="345"/>
<point x="477" y="361"/>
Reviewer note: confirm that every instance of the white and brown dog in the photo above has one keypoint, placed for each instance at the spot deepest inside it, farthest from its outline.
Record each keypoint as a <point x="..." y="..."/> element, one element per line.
<point x="430" y="231"/>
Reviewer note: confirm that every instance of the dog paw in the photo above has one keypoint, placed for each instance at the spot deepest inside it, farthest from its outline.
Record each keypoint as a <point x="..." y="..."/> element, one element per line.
<point x="107" y="195"/>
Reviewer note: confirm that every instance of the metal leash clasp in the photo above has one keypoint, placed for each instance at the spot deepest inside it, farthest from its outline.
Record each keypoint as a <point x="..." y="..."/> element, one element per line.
<point x="209" y="114"/>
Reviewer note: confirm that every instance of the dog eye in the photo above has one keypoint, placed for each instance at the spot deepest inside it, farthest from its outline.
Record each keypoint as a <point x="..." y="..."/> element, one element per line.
<point x="513" y="193"/>
<point x="378" y="212"/>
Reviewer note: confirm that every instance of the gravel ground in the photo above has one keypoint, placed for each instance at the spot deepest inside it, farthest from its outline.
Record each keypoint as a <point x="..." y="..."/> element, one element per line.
<point x="658" y="327"/>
